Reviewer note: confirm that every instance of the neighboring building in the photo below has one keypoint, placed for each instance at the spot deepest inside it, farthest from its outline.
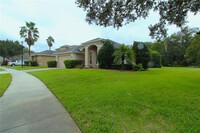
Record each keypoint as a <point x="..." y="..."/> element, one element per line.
<point x="19" y="57"/>
<point x="87" y="52"/>
<point x="43" y="57"/>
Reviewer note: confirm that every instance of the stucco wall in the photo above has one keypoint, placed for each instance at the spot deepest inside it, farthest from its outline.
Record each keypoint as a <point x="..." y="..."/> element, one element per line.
<point x="42" y="59"/>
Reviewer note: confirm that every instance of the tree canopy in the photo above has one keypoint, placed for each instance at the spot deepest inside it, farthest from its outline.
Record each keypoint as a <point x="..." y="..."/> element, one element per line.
<point x="116" y="13"/>
<point x="50" y="41"/>
<point x="10" y="48"/>
<point x="29" y="33"/>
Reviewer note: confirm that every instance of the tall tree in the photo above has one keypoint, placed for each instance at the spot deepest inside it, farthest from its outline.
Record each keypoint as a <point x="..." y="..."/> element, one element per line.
<point x="29" y="33"/>
<point x="10" y="48"/>
<point x="50" y="42"/>
<point x="105" y="58"/>
<point x="116" y="13"/>
<point x="193" y="51"/>
<point x="142" y="54"/>
<point x="123" y="55"/>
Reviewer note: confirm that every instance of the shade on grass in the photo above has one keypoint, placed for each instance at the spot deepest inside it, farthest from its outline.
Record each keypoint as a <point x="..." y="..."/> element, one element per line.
<point x="158" y="100"/>
<point x="5" y="80"/>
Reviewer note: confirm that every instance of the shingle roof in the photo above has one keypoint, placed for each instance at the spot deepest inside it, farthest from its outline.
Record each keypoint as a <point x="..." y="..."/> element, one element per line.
<point x="70" y="49"/>
<point x="100" y="39"/>
<point x="46" y="52"/>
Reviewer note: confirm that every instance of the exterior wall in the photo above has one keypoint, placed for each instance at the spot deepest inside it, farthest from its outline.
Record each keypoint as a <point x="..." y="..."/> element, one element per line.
<point x="61" y="58"/>
<point x="80" y="57"/>
<point x="42" y="59"/>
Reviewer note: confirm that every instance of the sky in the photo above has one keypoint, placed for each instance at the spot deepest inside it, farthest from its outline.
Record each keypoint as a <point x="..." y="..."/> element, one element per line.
<point x="65" y="22"/>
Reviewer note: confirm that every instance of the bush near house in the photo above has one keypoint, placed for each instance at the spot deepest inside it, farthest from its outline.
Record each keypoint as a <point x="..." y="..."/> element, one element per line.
<point x="155" y="59"/>
<point x="34" y="63"/>
<point x="52" y="63"/>
<point x="26" y="63"/>
<point x="72" y="63"/>
<point x="105" y="57"/>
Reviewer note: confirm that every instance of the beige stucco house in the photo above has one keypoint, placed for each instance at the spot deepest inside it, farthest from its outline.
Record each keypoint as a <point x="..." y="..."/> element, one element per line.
<point x="87" y="52"/>
<point x="43" y="57"/>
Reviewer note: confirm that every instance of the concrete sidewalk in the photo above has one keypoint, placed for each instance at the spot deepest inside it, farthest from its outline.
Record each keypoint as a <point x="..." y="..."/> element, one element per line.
<point x="28" y="106"/>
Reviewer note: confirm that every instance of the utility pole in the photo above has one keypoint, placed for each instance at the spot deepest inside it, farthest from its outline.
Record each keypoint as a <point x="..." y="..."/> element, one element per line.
<point x="22" y="54"/>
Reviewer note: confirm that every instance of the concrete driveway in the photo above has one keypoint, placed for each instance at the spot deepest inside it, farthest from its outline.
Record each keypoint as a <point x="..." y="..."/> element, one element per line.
<point x="28" y="106"/>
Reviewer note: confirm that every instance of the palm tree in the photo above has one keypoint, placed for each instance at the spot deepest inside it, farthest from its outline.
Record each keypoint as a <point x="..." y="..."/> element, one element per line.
<point x="122" y="54"/>
<point x="50" y="42"/>
<point x="29" y="33"/>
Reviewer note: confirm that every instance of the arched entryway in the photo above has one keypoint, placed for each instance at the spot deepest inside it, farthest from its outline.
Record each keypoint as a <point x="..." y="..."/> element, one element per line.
<point x="92" y="56"/>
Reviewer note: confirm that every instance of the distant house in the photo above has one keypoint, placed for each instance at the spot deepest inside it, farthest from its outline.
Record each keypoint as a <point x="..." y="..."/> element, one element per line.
<point x="43" y="57"/>
<point x="87" y="52"/>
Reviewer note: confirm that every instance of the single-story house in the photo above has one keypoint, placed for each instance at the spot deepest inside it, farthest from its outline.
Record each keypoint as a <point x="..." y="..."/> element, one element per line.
<point x="43" y="57"/>
<point x="87" y="52"/>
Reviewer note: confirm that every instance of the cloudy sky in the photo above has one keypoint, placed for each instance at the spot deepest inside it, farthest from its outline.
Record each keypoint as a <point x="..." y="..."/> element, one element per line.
<point x="65" y="22"/>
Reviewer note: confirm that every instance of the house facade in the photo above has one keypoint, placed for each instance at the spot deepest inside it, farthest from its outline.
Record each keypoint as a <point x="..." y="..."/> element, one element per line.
<point x="43" y="57"/>
<point x="87" y="52"/>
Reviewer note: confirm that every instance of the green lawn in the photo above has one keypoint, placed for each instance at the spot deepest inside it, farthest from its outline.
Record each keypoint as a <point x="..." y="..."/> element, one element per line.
<point x="26" y="67"/>
<point x="5" y="80"/>
<point x="158" y="100"/>
<point x="1" y="69"/>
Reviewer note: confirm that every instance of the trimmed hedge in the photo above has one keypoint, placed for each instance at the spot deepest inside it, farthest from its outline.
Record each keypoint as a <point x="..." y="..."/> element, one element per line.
<point x="26" y="63"/>
<point x="52" y="63"/>
<point x="72" y="63"/>
<point x="124" y="67"/>
<point x="34" y="63"/>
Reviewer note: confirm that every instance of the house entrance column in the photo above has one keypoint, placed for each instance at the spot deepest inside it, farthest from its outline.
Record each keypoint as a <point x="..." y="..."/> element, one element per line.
<point x="86" y="57"/>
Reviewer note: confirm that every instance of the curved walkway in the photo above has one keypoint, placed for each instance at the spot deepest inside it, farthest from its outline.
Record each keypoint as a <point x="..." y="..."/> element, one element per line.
<point x="28" y="106"/>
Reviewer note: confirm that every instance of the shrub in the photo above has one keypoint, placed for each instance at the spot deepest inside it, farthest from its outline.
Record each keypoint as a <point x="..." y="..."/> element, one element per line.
<point x="142" y="54"/>
<point x="155" y="59"/>
<point x="138" y="67"/>
<point x="52" y="63"/>
<point x="104" y="56"/>
<point x="122" y="67"/>
<point x="26" y="63"/>
<point x="34" y="63"/>
<point x="72" y="63"/>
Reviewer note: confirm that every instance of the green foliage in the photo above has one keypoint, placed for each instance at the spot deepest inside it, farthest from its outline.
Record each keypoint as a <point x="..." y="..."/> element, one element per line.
<point x="138" y="67"/>
<point x="142" y="54"/>
<point x="193" y="51"/>
<point x="33" y="63"/>
<point x="26" y="63"/>
<point x="104" y="57"/>
<point x="10" y="48"/>
<point x="124" y="67"/>
<point x="5" y="81"/>
<point x="159" y="100"/>
<point x="52" y="63"/>
<point x="173" y="48"/>
<point x="155" y="59"/>
<point x="123" y="55"/>
<point x="116" y="13"/>
<point x="72" y="63"/>
<point x="50" y="42"/>
<point x="29" y="33"/>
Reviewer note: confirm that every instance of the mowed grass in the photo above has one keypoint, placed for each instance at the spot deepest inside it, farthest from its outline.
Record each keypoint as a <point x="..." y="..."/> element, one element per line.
<point x="158" y="100"/>
<point x="5" y="80"/>
<point x="26" y="67"/>
<point x="1" y="69"/>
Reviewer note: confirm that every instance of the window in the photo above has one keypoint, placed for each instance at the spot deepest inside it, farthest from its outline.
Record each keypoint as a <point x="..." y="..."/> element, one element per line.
<point x="90" y="57"/>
